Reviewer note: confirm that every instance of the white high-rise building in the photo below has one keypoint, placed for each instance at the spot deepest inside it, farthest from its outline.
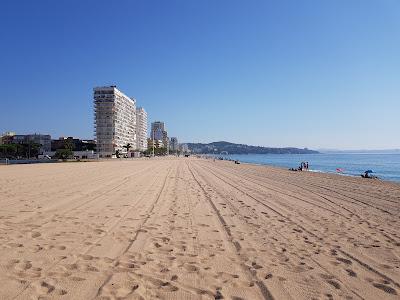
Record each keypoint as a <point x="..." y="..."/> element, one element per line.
<point x="141" y="118"/>
<point x="115" y="121"/>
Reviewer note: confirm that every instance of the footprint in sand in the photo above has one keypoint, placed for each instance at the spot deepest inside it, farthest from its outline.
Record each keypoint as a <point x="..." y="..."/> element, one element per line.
<point x="174" y="277"/>
<point x="35" y="234"/>
<point x="164" y="285"/>
<point x="128" y="264"/>
<point x="86" y="256"/>
<point x="344" y="260"/>
<point x="335" y="284"/>
<point x="191" y="268"/>
<point x="385" y="288"/>
<point x="23" y="266"/>
<point x="43" y="287"/>
<point x="351" y="273"/>
<point x="157" y="245"/>
<point x="62" y="292"/>
<point x="268" y="276"/>
<point x="76" y="278"/>
<point x="15" y="245"/>
<point x="255" y="265"/>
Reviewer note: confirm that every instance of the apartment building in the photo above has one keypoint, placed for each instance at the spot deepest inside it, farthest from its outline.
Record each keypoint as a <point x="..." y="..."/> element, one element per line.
<point x="115" y="121"/>
<point x="158" y="132"/>
<point x="141" y="125"/>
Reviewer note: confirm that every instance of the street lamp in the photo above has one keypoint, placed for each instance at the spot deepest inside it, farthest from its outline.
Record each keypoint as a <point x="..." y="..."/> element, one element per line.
<point x="153" y="142"/>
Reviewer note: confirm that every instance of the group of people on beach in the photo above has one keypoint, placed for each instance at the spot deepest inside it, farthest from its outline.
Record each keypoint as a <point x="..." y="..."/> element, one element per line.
<point x="303" y="167"/>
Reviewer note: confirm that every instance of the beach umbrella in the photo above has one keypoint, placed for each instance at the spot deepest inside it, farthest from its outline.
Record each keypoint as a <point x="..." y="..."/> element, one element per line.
<point x="369" y="171"/>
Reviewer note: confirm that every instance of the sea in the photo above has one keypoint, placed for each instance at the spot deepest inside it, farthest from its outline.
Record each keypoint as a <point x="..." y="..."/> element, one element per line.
<point x="385" y="166"/>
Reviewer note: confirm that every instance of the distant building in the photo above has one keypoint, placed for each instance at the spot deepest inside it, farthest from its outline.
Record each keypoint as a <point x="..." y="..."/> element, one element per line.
<point x="158" y="132"/>
<point x="44" y="140"/>
<point x="173" y="144"/>
<point x="6" y="137"/>
<point x="115" y="121"/>
<point x="157" y="144"/>
<point x="141" y="125"/>
<point x="157" y="129"/>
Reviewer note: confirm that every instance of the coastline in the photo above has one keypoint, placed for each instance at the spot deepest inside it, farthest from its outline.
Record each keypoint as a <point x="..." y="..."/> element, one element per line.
<point x="322" y="172"/>
<point x="387" y="165"/>
<point x="332" y="175"/>
<point x="194" y="228"/>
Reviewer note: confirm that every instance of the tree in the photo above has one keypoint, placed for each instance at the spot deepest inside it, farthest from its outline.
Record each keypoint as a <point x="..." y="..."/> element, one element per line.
<point x="128" y="146"/>
<point x="89" y="146"/>
<point x="64" y="153"/>
<point x="160" y="151"/>
<point x="9" y="150"/>
<point x="69" y="144"/>
<point x="32" y="148"/>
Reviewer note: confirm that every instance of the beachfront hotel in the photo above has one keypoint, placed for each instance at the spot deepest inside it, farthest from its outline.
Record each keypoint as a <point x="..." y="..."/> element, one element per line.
<point x="115" y="121"/>
<point x="141" y="125"/>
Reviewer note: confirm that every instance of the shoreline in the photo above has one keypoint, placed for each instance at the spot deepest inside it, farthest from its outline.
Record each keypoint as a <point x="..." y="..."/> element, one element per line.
<point x="283" y="167"/>
<point x="322" y="173"/>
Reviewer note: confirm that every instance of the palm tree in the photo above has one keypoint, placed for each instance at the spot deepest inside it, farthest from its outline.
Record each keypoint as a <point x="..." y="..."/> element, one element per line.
<point x="128" y="146"/>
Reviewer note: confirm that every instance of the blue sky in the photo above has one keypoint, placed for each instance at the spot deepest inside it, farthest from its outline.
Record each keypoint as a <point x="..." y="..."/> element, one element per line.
<point x="317" y="74"/>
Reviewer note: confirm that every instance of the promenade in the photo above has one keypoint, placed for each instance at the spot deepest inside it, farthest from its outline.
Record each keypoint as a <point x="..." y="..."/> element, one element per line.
<point x="187" y="228"/>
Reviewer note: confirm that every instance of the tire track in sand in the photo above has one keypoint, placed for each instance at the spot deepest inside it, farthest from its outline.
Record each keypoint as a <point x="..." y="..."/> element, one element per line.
<point x="359" y="261"/>
<point x="251" y="274"/>
<point x="323" y="196"/>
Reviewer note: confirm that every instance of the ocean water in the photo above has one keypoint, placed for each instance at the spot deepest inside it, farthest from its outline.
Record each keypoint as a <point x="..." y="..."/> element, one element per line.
<point x="385" y="166"/>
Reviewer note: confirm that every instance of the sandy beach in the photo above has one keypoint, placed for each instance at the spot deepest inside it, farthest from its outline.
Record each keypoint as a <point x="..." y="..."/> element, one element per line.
<point x="195" y="229"/>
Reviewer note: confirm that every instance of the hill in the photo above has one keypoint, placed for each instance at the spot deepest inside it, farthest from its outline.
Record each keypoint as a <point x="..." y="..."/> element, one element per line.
<point x="231" y="148"/>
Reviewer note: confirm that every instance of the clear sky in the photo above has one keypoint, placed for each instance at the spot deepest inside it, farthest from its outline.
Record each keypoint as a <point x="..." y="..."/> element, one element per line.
<point x="317" y="74"/>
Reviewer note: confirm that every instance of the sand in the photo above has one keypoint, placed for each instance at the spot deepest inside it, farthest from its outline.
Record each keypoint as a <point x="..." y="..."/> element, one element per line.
<point x="195" y="229"/>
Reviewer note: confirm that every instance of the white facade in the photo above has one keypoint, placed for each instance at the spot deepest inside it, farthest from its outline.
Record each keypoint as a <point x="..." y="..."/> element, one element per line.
<point x="115" y="121"/>
<point x="141" y="117"/>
